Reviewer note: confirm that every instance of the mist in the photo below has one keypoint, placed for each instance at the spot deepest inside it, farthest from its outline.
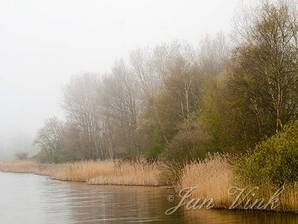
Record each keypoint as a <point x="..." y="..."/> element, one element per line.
<point x="44" y="43"/>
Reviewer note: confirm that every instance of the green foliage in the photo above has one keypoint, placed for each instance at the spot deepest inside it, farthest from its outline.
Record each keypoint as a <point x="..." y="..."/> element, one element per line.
<point x="188" y="145"/>
<point x="262" y="88"/>
<point x="59" y="157"/>
<point x="215" y="115"/>
<point x="154" y="150"/>
<point x="274" y="160"/>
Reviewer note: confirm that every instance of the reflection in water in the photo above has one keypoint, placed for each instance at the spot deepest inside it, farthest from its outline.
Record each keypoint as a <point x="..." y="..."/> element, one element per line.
<point x="26" y="198"/>
<point x="108" y="204"/>
<point x="242" y="217"/>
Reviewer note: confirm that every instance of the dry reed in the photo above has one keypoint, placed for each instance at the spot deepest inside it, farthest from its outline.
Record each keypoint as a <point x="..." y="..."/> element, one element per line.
<point x="93" y="172"/>
<point x="25" y="166"/>
<point x="212" y="177"/>
<point x="131" y="174"/>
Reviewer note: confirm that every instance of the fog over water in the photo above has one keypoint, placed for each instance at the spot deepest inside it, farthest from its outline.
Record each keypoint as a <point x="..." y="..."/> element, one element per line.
<point x="44" y="43"/>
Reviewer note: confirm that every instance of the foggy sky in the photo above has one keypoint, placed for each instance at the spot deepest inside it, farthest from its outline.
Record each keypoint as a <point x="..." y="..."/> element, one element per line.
<point x="44" y="42"/>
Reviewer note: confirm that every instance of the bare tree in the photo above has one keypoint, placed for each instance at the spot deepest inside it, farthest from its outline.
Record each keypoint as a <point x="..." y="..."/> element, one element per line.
<point x="80" y="104"/>
<point x="120" y="111"/>
<point x="22" y="155"/>
<point x="49" y="138"/>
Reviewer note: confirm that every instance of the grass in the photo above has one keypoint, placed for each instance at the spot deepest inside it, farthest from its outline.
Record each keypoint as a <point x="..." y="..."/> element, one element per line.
<point x="215" y="176"/>
<point x="20" y="166"/>
<point x="131" y="174"/>
<point x="93" y="172"/>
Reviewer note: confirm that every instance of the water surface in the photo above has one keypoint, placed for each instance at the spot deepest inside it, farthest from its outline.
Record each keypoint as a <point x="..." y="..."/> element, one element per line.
<point x="32" y="199"/>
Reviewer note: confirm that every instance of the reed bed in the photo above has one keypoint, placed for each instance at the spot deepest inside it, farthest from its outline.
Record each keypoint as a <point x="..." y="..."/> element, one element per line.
<point x="212" y="177"/>
<point x="289" y="198"/>
<point x="83" y="171"/>
<point x="131" y="174"/>
<point x="92" y="172"/>
<point x="215" y="176"/>
<point x="26" y="166"/>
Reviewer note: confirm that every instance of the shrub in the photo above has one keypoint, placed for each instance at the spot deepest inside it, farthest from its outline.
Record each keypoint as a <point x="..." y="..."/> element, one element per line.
<point x="274" y="160"/>
<point x="153" y="151"/>
<point x="188" y="145"/>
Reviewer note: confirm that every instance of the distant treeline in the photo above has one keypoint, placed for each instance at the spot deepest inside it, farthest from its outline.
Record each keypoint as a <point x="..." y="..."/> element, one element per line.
<point x="175" y="102"/>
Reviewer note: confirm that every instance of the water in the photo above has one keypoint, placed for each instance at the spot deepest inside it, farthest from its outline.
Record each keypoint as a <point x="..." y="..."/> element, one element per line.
<point x="31" y="199"/>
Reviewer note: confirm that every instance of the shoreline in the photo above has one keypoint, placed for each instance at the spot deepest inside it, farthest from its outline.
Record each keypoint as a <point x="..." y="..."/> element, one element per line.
<point x="93" y="173"/>
<point x="84" y="182"/>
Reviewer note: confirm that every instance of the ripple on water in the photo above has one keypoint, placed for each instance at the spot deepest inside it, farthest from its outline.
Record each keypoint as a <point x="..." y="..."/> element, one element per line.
<point x="31" y="199"/>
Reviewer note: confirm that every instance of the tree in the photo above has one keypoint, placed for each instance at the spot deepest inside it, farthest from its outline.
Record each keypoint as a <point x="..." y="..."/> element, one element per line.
<point x="22" y="155"/>
<point x="119" y="109"/>
<point x="177" y="98"/>
<point x="81" y="97"/>
<point x="213" y="55"/>
<point x="49" y="139"/>
<point x="263" y="86"/>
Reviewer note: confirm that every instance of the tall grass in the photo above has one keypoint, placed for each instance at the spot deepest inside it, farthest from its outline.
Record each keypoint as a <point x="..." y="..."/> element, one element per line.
<point x="215" y="176"/>
<point x="212" y="177"/>
<point x="126" y="173"/>
<point x="93" y="172"/>
<point x="25" y="166"/>
<point x="289" y="199"/>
